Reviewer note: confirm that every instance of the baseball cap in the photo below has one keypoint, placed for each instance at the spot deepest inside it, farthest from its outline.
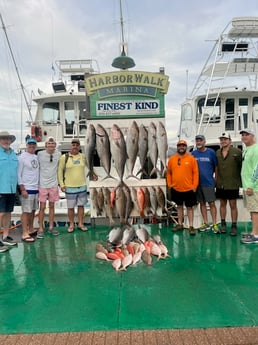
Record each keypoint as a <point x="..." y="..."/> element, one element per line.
<point x="248" y="131"/>
<point x="225" y="135"/>
<point x="75" y="141"/>
<point x="31" y="141"/>
<point x="200" y="137"/>
<point x="181" y="142"/>
<point x="50" y="140"/>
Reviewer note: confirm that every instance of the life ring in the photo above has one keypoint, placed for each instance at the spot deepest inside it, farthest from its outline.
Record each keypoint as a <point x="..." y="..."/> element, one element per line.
<point x="36" y="132"/>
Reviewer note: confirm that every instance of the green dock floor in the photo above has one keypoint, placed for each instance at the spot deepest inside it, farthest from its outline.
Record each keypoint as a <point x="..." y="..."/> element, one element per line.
<point x="57" y="285"/>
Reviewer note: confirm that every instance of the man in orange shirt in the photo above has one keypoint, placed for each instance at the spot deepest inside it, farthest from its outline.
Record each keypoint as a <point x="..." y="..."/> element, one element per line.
<point x="182" y="180"/>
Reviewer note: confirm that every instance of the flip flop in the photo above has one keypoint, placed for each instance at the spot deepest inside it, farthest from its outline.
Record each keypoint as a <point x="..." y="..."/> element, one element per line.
<point x="28" y="239"/>
<point x="82" y="228"/>
<point x="70" y="229"/>
<point x="33" y="233"/>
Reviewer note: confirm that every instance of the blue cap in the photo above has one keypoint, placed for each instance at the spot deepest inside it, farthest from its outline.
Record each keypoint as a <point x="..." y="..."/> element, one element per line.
<point x="31" y="141"/>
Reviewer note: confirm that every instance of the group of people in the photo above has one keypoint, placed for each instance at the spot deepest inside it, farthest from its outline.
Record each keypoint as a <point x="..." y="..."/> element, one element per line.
<point x="204" y="175"/>
<point x="38" y="177"/>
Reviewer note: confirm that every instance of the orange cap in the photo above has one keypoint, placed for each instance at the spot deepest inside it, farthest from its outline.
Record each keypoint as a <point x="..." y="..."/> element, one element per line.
<point x="181" y="142"/>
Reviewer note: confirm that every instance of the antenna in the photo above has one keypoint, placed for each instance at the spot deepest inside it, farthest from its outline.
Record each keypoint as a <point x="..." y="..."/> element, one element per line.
<point x="16" y="68"/>
<point x="122" y="61"/>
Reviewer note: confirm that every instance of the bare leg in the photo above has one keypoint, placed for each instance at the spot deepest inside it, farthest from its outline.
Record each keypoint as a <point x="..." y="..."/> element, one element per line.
<point x="41" y="216"/>
<point x="80" y="216"/>
<point x="223" y="209"/>
<point x="5" y="221"/>
<point x="71" y="216"/>
<point x="204" y="212"/>
<point x="213" y="211"/>
<point x="234" y="210"/>
<point x="189" y="211"/>
<point x="51" y="215"/>
<point x="254" y="217"/>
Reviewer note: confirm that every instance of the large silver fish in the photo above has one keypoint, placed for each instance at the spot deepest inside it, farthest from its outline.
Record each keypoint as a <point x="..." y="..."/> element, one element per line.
<point x="115" y="236"/>
<point x="128" y="235"/>
<point x="153" y="200"/>
<point x="121" y="204"/>
<point x="103" y="148"/>
<point x="142" y="234"/>
<point x="118" y="150"/>
<point x="129" y="202"/>
<point x="100" y="200"/>
<point x="94" y="200"/>
<point x="152" y="147"/>
<point x="162" y="143"/>
<point x="90" y="146"/>
<point x="142" y="148"/>
<point x="107" y="206"/>
<point x="132" y="139"/>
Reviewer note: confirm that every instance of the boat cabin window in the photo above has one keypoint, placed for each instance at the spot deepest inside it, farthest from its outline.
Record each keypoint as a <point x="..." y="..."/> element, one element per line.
<point x="69" y="117"/>
<point x="243" y="110"/>
<point x="50" y="113"/>
<point x="209" y="113"/>
<point x="187" y="113"/>
<point x="230" y="114"/>
<point x="255" y="101"/>
<point x="82" y="117"/>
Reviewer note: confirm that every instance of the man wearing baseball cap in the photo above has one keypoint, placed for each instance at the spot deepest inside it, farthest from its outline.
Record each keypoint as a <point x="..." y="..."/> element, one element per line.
<point x="182" y="181"/>
<point x="249" y="175"/>
<point x="228" y="181"/>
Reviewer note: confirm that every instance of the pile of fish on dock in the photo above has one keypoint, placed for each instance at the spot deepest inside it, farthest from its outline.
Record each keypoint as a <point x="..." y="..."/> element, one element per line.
<point x="122" y="152"/>
<point x="127" y="247"/>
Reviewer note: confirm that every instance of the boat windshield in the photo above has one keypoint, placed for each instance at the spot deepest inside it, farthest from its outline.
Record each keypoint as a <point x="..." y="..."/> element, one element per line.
<point x="51" y="113"/>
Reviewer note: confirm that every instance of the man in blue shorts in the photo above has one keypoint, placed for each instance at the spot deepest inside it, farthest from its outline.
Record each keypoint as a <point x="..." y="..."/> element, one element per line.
<point x="8" y="185"/>
<point x="207" y="163"/>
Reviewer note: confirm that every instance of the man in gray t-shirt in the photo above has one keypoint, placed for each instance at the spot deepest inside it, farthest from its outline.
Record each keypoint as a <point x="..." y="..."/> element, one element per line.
<point x="48" y="184"/>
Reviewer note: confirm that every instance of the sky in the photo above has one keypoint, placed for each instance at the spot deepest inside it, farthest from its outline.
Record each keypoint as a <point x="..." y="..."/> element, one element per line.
<point x="175" y="34"/>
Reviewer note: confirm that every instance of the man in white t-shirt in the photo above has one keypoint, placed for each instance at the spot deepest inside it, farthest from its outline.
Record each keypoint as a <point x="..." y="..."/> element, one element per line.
<point x="48" y="185"/>
<point x="28" y="180"/>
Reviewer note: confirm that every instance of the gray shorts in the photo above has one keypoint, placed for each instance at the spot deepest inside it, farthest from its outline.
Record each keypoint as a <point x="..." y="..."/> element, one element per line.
<point x="30" y="203"/>
<point x="205" y="194"/>
<point x="251" y="202"/>
<point x="76" y="199"/>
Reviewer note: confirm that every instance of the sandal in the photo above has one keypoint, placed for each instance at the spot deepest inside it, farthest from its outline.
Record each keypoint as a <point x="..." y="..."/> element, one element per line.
<point x="28" y="239"/>
<point x="70" y="229"/>
<point x="83" y="228"/>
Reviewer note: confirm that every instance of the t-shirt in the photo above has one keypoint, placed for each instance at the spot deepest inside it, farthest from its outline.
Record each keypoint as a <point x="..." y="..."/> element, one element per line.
<point x="28" y="171"/>
<point x="207" y="162"/>
<point x="249" y="172"/>
<point x="48" y="168"/>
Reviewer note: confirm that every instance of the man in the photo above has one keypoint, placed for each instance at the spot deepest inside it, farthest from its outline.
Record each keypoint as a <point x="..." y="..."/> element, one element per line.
<point x="228" y="181"/>
<point x="8" y="185"/>
<point x="72" y="181"/>
<point x="182" y="179"/>
<point x="207" y="163"/>
<point x="48" y="184"/>
<point x="28" y="179"/>
<point x="249" y="175"/>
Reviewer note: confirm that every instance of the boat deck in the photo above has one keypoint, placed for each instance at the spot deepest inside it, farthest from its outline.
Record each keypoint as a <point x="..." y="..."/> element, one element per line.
<point x="55" y="291"/>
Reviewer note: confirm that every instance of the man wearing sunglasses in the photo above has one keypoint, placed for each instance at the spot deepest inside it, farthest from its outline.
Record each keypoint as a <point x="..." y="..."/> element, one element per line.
<point x="48" y="185"/>
<point x="182" y="181"/>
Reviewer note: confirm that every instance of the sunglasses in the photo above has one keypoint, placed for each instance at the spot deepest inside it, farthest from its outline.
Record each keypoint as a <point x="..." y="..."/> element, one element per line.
<point x="51" y="158"/>
<point x="179" y="161"/>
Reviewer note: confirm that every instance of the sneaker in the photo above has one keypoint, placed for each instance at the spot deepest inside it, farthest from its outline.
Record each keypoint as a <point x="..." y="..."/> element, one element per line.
<point x="40" y="234"/>
<point x="215" y="229"/>
<point x="223" y="228"/>
<point x="233" y="231"/>
<point x="178" y="227"/>
<point x="53" y="232"/>
<point x="192" y="231"/>
<point x="204" y="227"/>
<point x="9" y="241"/>
<point x="250" y="239"/>
<point x="3" y="248"/>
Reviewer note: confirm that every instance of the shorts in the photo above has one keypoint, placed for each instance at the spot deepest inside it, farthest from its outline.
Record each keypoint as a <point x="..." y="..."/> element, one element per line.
<point x="30" y="203"/>
<point x="205" y="194"/>
<point x="76" y="199"/>
<point x="251" y="202"/>
<point x="50" y="194"/>
<point x="188" y="198"/>
<point x="7" y="202"/>
<point x="227" y="194"/>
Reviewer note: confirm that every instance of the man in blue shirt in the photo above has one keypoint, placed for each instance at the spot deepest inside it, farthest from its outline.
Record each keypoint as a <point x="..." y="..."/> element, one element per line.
<point x="207" y="163"/>
<point x="8" y="185"/>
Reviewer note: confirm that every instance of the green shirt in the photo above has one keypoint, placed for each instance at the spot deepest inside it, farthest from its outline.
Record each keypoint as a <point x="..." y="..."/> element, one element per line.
<point x="229" y="169"/>
<point x="249" y="172"/>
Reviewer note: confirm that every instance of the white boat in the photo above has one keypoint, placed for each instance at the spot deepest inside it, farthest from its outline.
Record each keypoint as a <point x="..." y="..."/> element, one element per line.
<point x="63" y="113"/>
<point x="225" y="95"/>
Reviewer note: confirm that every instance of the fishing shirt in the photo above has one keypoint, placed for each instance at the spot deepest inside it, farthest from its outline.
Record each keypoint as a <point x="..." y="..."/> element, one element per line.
<point x="249" y="171"/>
<point x="48" y="164"/>
<point x="73" y="171"/>
<point x="182" y="172"/>
<point x="207" y="163"/>
<point x="229" y="169"/>
<point x="28" y="171"/>
<point x="8" y="171"/>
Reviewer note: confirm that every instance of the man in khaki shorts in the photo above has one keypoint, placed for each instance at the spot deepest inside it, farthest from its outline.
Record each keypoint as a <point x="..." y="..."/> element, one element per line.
<point x="48" y="185"/>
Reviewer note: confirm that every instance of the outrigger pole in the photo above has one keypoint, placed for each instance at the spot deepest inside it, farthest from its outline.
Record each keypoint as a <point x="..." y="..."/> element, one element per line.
<point x="16" y="68"/>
